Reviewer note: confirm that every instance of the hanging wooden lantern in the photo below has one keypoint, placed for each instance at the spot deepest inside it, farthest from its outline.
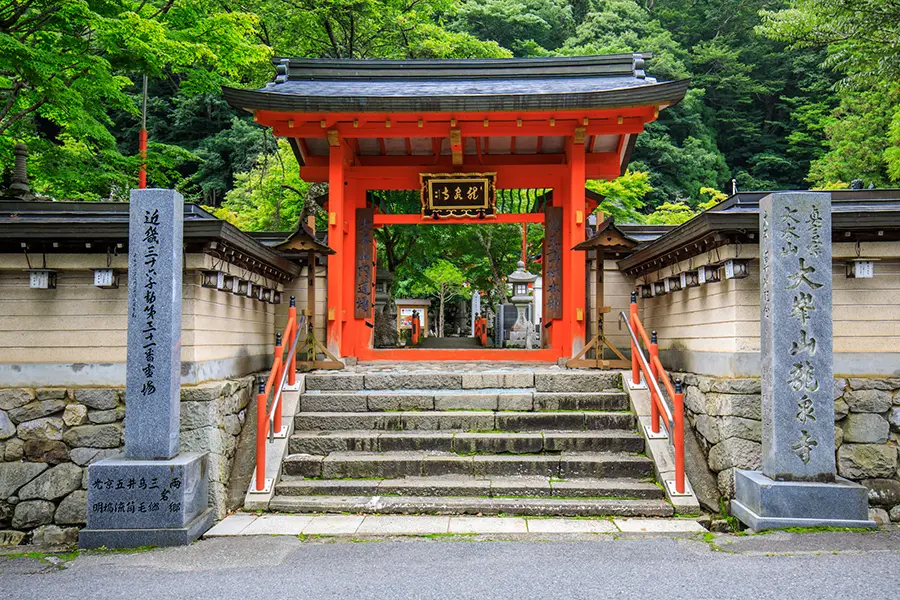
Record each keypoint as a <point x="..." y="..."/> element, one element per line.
<point x="660" y="288"/>
<point x="689" y="279"/>
<point x="859" y="268"/>
<point x="42" y="279"/>
<point x="673" y="284"/>
<point x="708" y="274"/>
<point x="737" y="268"/>
<point x="107" y="279"/>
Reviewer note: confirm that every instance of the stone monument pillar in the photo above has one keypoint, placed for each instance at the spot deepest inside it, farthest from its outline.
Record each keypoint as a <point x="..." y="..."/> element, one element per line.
<point x="798" y="485"/>
<point x="151" y="495"/>
<point x="476" y="309"/>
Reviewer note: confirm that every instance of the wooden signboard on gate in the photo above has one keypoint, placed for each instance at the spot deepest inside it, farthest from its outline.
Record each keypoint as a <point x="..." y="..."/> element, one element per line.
<point x="365" y="264"/>
<point x="458" y="195"/>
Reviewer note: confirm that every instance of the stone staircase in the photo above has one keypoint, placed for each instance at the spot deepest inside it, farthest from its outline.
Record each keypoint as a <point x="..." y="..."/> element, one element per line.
<point x="520" y="441"/>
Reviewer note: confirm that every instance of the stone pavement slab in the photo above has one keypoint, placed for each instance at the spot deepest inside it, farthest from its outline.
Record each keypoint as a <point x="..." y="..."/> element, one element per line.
<point x="487" y="525"/>
<point x="659" y="525"/>
<point x="571" y="526"/>
<point x="232" y="525"/>
<point x="333" y="525"/>
<point x="403" y="525"/>
<point x="278" y="525"/>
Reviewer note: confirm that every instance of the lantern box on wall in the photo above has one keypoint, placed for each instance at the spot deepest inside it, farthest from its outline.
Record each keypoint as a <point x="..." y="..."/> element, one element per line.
<point x="250" y="291"/>
<point x="660" y="288"/>
<point x="265" y="294"/>
<point x="108" y="279"/>
<point x="212" y="279"/>
<point x="227" y="283"/>
<point x="708" y="274"/>
<point x="673" y="284"/>
<point x="239" y="288"/>
<point x="645" y="290"/>
<point x="859" y="268"/>
<point x="275" y="298"/>
<point x="42" y="279"/>
<point x="689" y="279"/>
<point x="737" y="268"/>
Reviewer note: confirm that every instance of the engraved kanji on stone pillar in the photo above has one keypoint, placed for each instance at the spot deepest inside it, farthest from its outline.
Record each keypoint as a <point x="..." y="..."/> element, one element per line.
<point x="796" y="337"/>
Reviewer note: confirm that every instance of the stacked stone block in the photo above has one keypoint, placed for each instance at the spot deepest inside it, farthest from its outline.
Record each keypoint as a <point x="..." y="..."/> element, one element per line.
<point x="726" y="415"/>
<point x="48" y="437"/>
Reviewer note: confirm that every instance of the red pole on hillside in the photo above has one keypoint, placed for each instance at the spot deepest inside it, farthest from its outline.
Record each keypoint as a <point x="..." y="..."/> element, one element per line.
<point x="142" y="140"/>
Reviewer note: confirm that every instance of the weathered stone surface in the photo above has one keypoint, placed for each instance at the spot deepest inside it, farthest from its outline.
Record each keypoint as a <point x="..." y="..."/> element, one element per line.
<point x="198" y="414"/>
<point x="576" y="381"/>
<point x="53" y="484"/>
<point x="874" y="383"/>
<point x="708" y="427"/>
<point x="101" y="417"/>
<point x="748" y="429"/>
<point x="736" y="386"/>
<point x="735" y="452"/>
<point x="838" y="436"/>
<point x="14" y="475"/>
<point x="15" y="450"/>
<point x="748" y="406"/>
<point x="48" y="428"/>
<point x="9" y="537"/>
<point x="694" y="400"/>
<point x="48" y="451"/>
<point x="334" y="382"/>
<point x="85" y="456"/>
<point x="232" y="424"/>
<point x="840" y="385"/>
<point x="33" y="513"/>
<point x="515" y="401"/>
<point x="868" y="401"/>
<point x="413" y="381"/>
<point x="865" y="428"/>
<point x="883" y="492"/>
<point x="205" y="392"/>
<point x="52" y="394"/>
<point x="205" y="439"/>
<point x="879" y="515"/>
<point x="895" y="514"/>
<point x="55" y="536"/>
<point x="863" y="461"/>
<point x="100" y="399"/>
<point x="894" y="419"/>
<point x="94" y="436"/>
<point x="840" y="409"/>
<point x="75" y="415"/>
<point x="7" y="428"/>
<point x="725" y="481"/>
<point x="73" y="509"/>
<point x="12" y="398"/>
<point x="36" y="410"/>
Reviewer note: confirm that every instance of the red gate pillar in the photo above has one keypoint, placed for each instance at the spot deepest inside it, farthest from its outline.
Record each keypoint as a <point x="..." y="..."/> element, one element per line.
<point x="337" y="216"/>
<point x="574" y="219"/>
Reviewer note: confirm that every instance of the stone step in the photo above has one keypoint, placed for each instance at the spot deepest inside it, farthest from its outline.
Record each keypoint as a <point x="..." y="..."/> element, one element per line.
<point x="326" y="442"/>
<point x="524" y="399"/>
<point x="464" y="421"/>
<point x="495" y="487"/>
<point x="542" y="379"/>
<point x="432" y="505"/>
<point x="390" y="465"/>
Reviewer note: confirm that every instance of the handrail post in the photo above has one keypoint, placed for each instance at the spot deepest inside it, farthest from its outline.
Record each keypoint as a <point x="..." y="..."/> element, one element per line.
<point x="276" y="418"/>
<point x="292" y="365"/>
<point x="635" y="367"/>
<point x="654" y="400"/>
<point x="678" y="436"/>
<point x="262" y="432"/>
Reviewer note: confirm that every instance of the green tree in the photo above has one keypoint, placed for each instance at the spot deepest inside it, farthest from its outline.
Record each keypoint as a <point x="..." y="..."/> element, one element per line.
<point x="64" y="67"/>
<point x="444" y="280"/>
<point x="623" y="197"/>
<point x="527" y="27"/>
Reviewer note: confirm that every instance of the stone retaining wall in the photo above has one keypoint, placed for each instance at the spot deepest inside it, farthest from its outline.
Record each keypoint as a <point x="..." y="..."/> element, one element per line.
<point x="49" y="436"/>
<point x="726" y="415"/>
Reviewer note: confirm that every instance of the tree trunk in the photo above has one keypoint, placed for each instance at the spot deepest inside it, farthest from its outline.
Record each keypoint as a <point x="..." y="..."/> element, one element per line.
<point x="441" y="314"/>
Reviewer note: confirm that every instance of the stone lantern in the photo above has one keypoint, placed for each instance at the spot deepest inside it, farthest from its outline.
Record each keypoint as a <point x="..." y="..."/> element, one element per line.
<point x="522" y="332"/>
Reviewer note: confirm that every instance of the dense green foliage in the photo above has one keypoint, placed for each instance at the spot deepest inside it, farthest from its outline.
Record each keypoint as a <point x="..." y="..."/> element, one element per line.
<point x="785" y="93"/>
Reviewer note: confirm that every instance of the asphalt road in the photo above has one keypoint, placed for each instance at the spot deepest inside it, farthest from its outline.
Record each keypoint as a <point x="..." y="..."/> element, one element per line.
<point x="778" y="566"/>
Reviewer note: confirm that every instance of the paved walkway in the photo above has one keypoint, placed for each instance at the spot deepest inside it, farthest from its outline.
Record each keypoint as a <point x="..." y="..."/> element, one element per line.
<point x="776" y="566"/>
<point x="451" y="366"/>
<point x="248" y="524"/>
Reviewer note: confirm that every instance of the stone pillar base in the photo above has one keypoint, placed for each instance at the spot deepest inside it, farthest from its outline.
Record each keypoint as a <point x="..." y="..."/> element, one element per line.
<point x="134" y="503"/>
<point x="762" y="503"/>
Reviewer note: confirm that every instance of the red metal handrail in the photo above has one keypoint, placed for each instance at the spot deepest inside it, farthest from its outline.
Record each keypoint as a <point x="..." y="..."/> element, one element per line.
<point x="284" y="370"/>
<point x="654" y="372"/>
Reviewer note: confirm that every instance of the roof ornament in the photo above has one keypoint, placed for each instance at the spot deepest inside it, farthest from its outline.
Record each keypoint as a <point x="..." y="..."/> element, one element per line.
<point x="283" y="70"/>
<point x="638" y="65"/>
